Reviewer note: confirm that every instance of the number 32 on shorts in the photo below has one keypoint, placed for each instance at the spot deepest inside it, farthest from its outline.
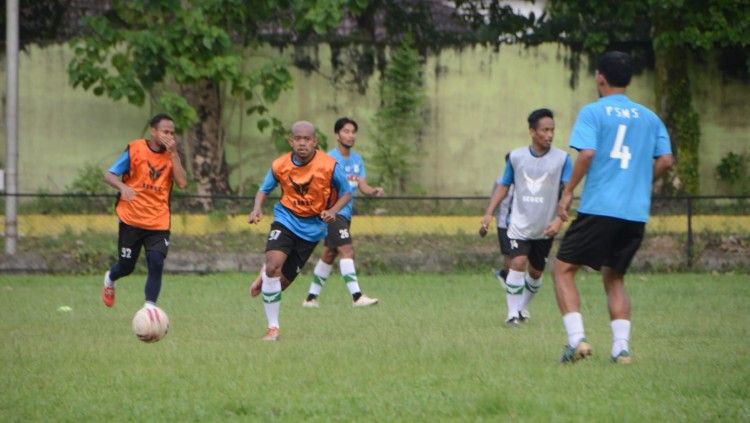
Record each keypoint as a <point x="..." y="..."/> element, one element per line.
<point x="620" y="151"/>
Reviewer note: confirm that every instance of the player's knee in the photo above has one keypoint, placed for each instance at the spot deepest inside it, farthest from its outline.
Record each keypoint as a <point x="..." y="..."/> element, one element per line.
<point x="126" y="266"/>
<point x="273" y="270"/>
<point x="155" y="261"/>
<point x="563" y="269"/>
<point x="346" y="251"/>
<point x="534" y="273"/>
<point x="328" y="255"/>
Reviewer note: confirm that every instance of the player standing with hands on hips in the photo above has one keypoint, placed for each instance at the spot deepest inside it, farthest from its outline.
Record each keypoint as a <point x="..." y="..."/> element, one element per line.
<point x="313" y="189"/>
<point x="143" y="175"/>
<point x="622" y="148"/>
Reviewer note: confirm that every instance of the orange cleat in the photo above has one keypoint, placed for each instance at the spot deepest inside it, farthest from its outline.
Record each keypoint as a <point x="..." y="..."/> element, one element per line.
<point x="108" y="292"/>
<point x="272" y="334"/>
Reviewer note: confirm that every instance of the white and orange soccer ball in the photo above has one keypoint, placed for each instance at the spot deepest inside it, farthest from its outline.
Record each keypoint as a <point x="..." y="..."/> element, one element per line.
<point x="150" y="324"/>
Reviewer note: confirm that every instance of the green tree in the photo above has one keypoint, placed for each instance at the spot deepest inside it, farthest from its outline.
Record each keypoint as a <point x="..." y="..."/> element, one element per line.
<point x="399" y="121"/>
<point x="732" y="170"/>
<point x="666" y="34"/>
<point x="185" y="57"/>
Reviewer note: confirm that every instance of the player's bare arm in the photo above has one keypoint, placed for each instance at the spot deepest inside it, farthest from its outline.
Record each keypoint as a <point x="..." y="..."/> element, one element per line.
<point x="366" y="189"/>
<point x="329" y="215"/>
<point x="114" y="181"/>
<point x="178" y="171"/>
<point x="581" y="166"/>
<point x="497" y="197"/>
<point x="257" y="213"/>
<point x="554" y="227"/>
<point x="662" y="164"/>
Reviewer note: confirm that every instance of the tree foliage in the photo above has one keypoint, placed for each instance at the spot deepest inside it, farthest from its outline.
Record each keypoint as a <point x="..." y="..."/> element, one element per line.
<point x="40" y="22"/>
<point x="663" y="34"/>
<point x="399" y="121"/>
<point x="185" y="57"/>
<point x="734" y="171"/>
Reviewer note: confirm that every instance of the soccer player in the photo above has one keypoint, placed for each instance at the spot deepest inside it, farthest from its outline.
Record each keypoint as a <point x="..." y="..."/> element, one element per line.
<point x="143" y="175"/>
<point x="338" y="242"/>
<point x="622" y="147"/>
<point x="536" y="173"/>
<point x="313" y="189"/>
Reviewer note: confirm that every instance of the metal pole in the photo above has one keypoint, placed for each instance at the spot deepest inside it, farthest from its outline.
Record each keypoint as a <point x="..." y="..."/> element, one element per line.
<point x="11" y="131"/>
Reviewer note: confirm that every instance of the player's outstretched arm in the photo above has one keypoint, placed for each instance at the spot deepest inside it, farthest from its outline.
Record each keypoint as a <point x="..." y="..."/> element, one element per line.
<point x="257" y="213"/>
<point x="366" y="189"/>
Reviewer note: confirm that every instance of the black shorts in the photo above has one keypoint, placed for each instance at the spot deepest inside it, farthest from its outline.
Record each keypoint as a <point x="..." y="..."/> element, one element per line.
<point x="130" y="239"/>
<point x="597" y="241"/>
<point x="536" y="250"/>
<point x="504" y="241"/>
<point x="338" y="233"/>
<point x="297" y="250"/>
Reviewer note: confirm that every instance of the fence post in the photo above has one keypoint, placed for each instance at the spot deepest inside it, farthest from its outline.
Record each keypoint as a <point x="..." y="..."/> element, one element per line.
<point x="11" y="128"/>
<point x="690" y="232"/>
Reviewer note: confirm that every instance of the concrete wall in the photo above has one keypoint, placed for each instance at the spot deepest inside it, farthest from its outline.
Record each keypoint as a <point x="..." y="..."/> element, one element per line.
<point x="478" y="100"/>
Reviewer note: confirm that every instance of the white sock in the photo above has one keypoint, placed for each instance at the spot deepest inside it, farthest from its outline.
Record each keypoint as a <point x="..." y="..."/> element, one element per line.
<point x="350" y="275"/>
<point x="531" y="287"/>
<point x="149" y="304"/>
<point x="320" y="276"/>
<point x="574" y="326"/>
<point x="107" y="281"/>
<point x="620" y="335"/>
<point x="514" y="292"/>
<point x="271" y="288"/>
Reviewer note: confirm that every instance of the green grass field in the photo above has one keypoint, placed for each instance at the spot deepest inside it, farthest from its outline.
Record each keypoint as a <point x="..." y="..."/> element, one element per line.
<point x="435" y="349"/>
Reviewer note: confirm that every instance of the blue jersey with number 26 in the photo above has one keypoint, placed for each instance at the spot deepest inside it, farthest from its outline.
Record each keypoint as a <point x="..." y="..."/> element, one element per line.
<point x="354" y="168"/>
<point x="627" y="137"/>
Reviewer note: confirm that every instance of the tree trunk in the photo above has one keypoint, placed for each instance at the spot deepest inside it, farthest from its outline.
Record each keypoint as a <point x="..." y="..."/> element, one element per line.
<point x="675" y="107"/>
<point x="208" y="160"/>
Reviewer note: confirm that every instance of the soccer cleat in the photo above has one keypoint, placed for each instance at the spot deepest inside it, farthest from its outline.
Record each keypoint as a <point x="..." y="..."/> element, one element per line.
<point x="311" y="303"/>
<point x="524" y="316"/>
<point x="513" y="322"/>
<point x="272" y="334"/>
<point x="364" y="301"/>
<point x="622" y="358"/>
<point x="108" y="292"/>
<point x="256" y="286"/>
<point x="579" y="352"/>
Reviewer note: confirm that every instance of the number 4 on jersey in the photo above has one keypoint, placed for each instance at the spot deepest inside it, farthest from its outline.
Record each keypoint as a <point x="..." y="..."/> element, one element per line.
<point x="619" y="151"/>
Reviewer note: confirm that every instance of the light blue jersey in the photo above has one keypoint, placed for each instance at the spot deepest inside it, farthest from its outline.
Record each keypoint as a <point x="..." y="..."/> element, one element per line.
<point x="354" y="168"/>
<point x="627" y="137"/>
<point x="122" y="165"/>
<point x="312" y="229"/>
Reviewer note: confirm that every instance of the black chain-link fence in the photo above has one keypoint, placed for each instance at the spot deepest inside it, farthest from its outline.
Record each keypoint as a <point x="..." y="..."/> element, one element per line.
<point x="78" y="233"/>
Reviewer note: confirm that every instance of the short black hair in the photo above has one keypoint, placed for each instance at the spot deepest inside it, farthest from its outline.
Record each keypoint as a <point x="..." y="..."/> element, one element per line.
<point x="616" y="67"/>
<point x="537" y="114"/>
<point x="154" y="122"/>
<point x="341" y="122"/>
